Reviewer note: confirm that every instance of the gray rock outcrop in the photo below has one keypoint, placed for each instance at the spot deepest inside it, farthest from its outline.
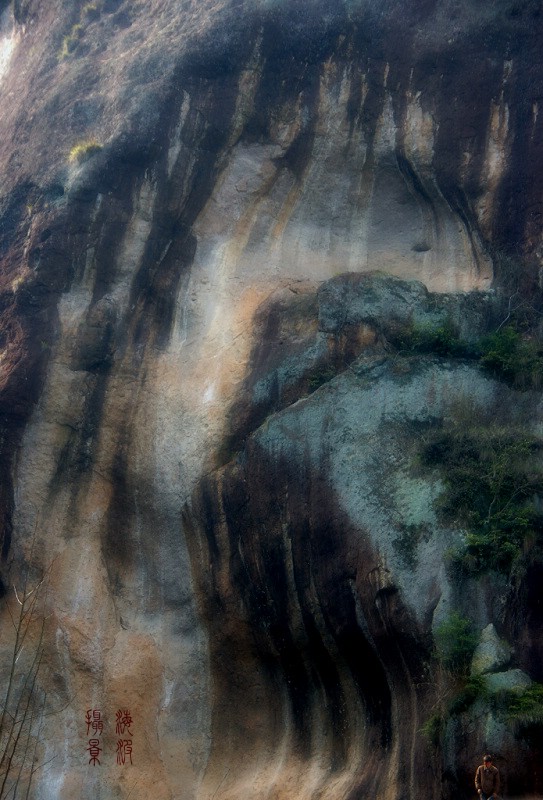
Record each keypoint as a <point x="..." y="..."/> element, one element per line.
<point x="491" y="654"/>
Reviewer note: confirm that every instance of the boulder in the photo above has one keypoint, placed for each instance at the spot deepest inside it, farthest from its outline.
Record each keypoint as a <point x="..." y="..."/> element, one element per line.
<point x="513" y="680"/>
<point x="491" y="654"/>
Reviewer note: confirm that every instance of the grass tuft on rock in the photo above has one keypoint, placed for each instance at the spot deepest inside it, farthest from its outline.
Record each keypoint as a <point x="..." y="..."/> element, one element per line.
<point x="89" y="13"/>
<point x="82" y="151"/>
<point x="70" y="42"/>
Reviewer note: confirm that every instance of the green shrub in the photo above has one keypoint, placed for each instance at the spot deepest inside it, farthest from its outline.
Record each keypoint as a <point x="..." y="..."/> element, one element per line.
<point x="433" y="728"/>
<point x="82" y="151"/>
<point x="321" y="374"/>
<point x="407" y="541"/>
<point x="473" y="689"/>
<point x="509" y="355"/>
<point x="499" y="540"/>
<point x="443" y="340"/>
<point x="525" y="709"/>
<point x="455" y="643"/>
<point x="490" y="478"/>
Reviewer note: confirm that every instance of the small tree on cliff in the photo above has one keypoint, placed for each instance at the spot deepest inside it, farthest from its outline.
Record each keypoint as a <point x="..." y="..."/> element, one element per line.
<point x="455" y="643"/>
<point x="23" y="702"/>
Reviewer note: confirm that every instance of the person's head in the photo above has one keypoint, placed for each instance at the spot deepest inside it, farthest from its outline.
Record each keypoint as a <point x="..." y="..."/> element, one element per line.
<point x="487" y="760"/>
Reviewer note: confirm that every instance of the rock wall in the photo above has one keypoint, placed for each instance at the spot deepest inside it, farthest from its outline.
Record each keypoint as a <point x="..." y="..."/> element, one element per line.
<point x="177" y="182"/>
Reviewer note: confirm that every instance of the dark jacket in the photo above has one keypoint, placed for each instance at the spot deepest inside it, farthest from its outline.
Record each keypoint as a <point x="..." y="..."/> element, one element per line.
<point x="487" y="779"/>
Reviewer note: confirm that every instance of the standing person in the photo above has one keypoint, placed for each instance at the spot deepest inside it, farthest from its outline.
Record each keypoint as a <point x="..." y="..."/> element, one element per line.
<point x="487" y="779"/>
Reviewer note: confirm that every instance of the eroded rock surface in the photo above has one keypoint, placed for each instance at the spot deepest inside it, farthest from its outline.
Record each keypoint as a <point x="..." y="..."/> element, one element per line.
<point x="321" y="561"/>
<point x="207" y="455"/>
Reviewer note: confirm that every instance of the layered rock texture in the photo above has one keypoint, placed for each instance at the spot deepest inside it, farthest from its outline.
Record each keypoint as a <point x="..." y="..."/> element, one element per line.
<point x="219" y="222"/>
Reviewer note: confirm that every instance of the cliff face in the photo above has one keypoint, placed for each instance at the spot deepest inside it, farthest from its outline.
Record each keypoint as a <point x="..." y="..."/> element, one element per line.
<point x="207" y="440"/>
